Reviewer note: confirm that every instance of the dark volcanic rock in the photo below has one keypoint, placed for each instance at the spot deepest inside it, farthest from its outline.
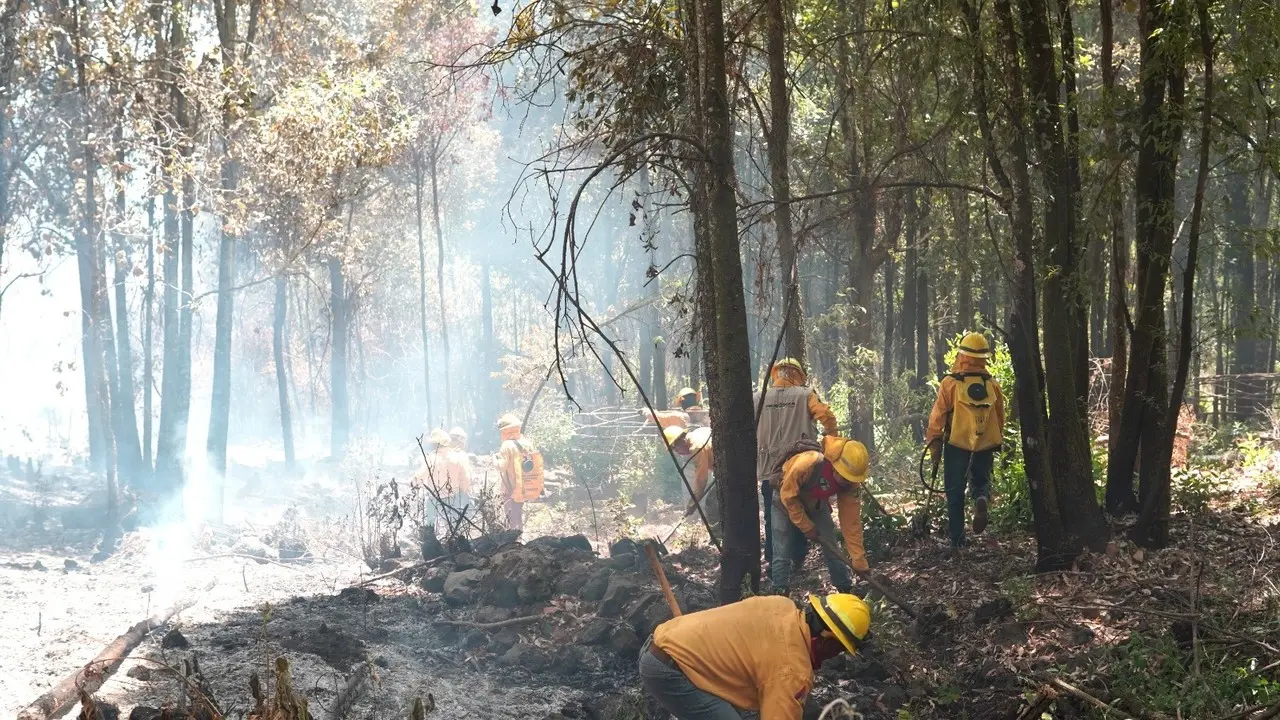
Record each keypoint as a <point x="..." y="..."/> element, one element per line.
<point x="623" y="561"/>
<point x="491" y="543"/>
<point x="576" y="542"/>
<point x="504" y="640"/>
<point x="492" y="614"/>
<point x="596" y="585"/>
<point x="435" y="578"/>
<point x="468" y="561"/>
<point x="619" y="594"/>
<point x="359" y="595"/>
<point x="527" y="656"/>
<point x="997" y="609"/>
<point x="174" y="640"/>
<point x="624" y="546"/>
<point x="594" y="632"/>
<point x="520" y="576"/>
<point x="624" y="641"/>
<point x="461" y="586"/>
<point x="573" y="579"/>
<point x="570" y="660"/>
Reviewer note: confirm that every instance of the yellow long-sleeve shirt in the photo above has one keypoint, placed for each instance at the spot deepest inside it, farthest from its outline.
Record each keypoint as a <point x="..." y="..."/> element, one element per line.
<point x="945" y="402"/>
<point x="796" y="473"/>
<point x="704" y="459"/>
<point x="754" y="654"/>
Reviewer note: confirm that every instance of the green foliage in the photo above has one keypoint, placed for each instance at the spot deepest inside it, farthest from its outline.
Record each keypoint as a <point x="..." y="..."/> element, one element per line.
<point x="1155" y="674"/>
<point x="550" y="428"/>
<point x="1194" y="486"/>
<point x="1011" y="498"/>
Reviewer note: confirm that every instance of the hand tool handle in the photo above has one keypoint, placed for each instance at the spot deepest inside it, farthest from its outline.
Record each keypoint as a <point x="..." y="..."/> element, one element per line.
<point x="866" y="575"/>
<point x="662" y="580"/>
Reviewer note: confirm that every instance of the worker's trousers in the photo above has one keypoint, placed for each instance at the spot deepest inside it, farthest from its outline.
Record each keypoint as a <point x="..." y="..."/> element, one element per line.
<point x="799" y="548"/>
<point x="677" y="694"/>
<point x="961" y="468"/>
<point x="515" y="514"/>
<point x="785" y="538"/>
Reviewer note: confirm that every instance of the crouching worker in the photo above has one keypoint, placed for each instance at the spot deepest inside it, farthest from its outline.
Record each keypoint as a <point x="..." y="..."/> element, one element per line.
<point x="965" y="429"/>
<point x="696" y="444"/>
<point x="812" y="476"/>
<point x="758" y="654"/>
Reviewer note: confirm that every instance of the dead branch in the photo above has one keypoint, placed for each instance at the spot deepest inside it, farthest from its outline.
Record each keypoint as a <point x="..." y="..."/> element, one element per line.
<point x="493" y="625"/>
<point x="90" y="677"/>
<point x="347" y="697"/>
<point x="241" y="556"/>
<point x="1037" y="706"/>
<point x="416" y="566"/>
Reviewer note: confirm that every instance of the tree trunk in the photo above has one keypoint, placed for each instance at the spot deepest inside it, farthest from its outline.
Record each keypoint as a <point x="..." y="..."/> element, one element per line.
<point x="921" y="320"/>
<point x="340" y="425"/>
<point x="1152" y="529"/>
<point x="489" y="413"/>
<point x="1146" y="404"/>
<point x="282" y="378"/>
<point x="1117" y="495"/>
<point x="422" y="284"/>
<point x="731" y="391"/>
<point x="128" y="445"/>
<point x="1246" y="393"/>
<point x="148" y="351"/>
<point x="780" y="177"/>
<point x="444" y="320"/>
<point x="890" y="290"/>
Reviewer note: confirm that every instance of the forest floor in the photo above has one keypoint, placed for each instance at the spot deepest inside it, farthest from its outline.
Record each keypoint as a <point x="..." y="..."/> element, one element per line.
<point x="550" y="629"/>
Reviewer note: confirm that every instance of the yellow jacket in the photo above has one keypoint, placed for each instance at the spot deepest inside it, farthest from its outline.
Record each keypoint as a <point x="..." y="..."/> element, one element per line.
<point x="796" y="472"/>
<point x="450" y="470"/>
<point x="753" y="654"/>
<point x="704" y="459"/>
<point x="509" y="462"/>
<point x="945" y="402"/>
<point x="666" y="418"/>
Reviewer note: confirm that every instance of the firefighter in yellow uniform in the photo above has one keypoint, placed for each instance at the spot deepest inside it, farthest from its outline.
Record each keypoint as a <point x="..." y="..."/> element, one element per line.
<point x="520" y="467"/>
<point x="966" y="428"/>
<point x="757" y="654"/>
<point x="695" y="443"/>
<point x="813" y="478"/>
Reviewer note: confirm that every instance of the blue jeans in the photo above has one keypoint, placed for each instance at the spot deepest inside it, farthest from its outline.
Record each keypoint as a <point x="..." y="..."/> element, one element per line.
<point x="799" y="544"/>
<point x="677" y="694"/>
<point x="961" y="469"/>
<point x="787" y="537"/>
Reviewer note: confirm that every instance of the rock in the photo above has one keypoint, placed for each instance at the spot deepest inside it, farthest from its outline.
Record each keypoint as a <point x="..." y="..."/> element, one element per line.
<point x="356" y="595"/>
<point x="572" y="580"/>
<point x="475" y="639"/>
<point x="617" y="596"/>
<point x="434" y="580"/>
<point x="594" y="632"/>
<point x="652" y="611"/>
<point x="174" y="640"/>
<point x="867" y="670"/>
<point x="1011" y="633"/>
<point x="468" y="561"/>
<point x="892" y="697"/>
<point x="624" y="546"/>
<point x="577" y="542"/>
<point x="253" y="547"/>
<point x="569" y="660"/>
<point x="37" y="565"/>
<point x="491" y="543"/>
<point x="624" y="641"/>
<point x="624" y="561"/>
<point x="70" y="565"/>
<point x="521" y="576"/>
<point x="429" y="543"/>
<point x="523" y="655"/>
<point x="461" y="586"/>
<point x="142" y="712"/>
<point x="545" y="542"/>
<point x="388" y="565"/>
<point x="593" y="589"/>
<point x="997" y="609"/>
<point x="140" y="672"/>
<point x="493" y="614"/>
<point x="630" y="706"/>
<point x="504" y="640"/>
<point x="382" y="661"/>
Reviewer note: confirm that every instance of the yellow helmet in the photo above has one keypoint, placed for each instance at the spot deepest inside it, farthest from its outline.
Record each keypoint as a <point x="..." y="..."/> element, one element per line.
<point x="673" y="434"/>
<point x="508" y="420"/>
<point x="790" y="366"/>
<point x="974" y="345"/>
<point x="439" y="437"/>
<point x="845" y="615"/>
<point x="685" y="392"/>
<point x="848" y="457"/>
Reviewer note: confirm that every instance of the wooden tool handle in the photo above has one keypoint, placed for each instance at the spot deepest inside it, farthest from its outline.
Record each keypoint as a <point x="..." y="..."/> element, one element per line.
<point x="866" y="575"/>
<point x="662" y="580"/>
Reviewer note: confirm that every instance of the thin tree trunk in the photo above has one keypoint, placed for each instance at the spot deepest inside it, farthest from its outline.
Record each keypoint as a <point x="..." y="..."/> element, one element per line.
<point x="489" y="413"/>
<point x="128" y="445"/>
<point x="444" y="320"/>
<point x="1119" y="260"/>
<point x="890" y="290"/>
<point x="780" y="176"/>
<point x="148" y="351"/>
<point x="422" y="284"/>
<point x="282" y="378"/>
<point x="340" y="426"/>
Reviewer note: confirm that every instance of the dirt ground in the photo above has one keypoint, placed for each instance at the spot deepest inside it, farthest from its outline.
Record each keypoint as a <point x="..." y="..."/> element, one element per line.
<point x="995" y="640"/>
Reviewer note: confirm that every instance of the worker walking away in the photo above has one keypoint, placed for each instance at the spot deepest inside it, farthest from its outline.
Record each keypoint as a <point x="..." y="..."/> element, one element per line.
<point x="520" y="468"/>
<point x="447" y="473"/>
<point x="757" y="654"/>
<point x="458" y="439"/>
<point x="812" y="476"/>
<point x="696" y="444"/>
<point x="966" y="428"/>
<point x="788" y="416"/>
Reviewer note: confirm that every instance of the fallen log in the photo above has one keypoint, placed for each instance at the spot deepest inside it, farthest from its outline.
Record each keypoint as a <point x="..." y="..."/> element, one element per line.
<point x="415" y="566"/>
<point x="89" y="678"/>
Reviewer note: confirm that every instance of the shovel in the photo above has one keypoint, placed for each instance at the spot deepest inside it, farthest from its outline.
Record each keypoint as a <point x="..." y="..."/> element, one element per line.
<point x="651" y="548"/>
<point x="866" y="575"/>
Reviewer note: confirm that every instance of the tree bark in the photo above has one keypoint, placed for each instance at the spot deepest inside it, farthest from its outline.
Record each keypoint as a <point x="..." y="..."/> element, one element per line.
<point x="282" y="377"/>
<point x="733" y="415"/>
<point x="890" y="291"/>
<point x="340" y="424"/>
<point x="148" y="350"/>
<point x="1246" y="394"/>
<point x="1118" y="496"/>
<point x="128" y="445"/>
<point x="780" y="176"/>
<point x="436" y="150"/>
<point x="418" y="183"/>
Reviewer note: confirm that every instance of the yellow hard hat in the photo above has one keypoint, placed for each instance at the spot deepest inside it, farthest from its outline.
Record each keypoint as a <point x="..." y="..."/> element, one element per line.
<point x="845" y="615"/>
<point x="974" y="345"/>
<point x="684" y="392"/>
<point x="439" y="437"/>
<point x="458" y="433"/>
<point x="673" y="434"/>
<point x="788" y="363"/>
<point x="508" y="420"/>
<point x="848" y="457"/>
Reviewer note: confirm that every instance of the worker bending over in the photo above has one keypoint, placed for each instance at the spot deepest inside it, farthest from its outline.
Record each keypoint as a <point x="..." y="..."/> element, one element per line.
<point x="520" y="468"/>
<point x="811" y="478"/>
<point x="965" y="429"/>
<point x="687" y="413"/>
<point x="758" y="654"/>
<point x="788" y="415"/>
<point x="696" y="444"/>
<point x="447" y="472"/>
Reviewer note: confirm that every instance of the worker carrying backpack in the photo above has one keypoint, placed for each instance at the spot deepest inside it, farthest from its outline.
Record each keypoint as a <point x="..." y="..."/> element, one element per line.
<point x="973" y="424"/>
<point x="799" y="446"/>
<point x="529" y="467"/>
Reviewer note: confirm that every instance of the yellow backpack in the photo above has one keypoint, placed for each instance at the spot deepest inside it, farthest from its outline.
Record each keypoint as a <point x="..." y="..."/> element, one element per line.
<point x="973" y="424"/>
<point x="529" y="466"/>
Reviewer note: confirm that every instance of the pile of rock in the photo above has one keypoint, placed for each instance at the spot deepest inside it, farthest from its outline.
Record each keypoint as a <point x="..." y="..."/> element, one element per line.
<point x="553" y="605"/>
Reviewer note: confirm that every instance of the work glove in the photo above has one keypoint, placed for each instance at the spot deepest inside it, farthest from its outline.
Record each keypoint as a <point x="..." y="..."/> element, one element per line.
<point x="860" y="564"/>
<point x="935" y="451"/>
